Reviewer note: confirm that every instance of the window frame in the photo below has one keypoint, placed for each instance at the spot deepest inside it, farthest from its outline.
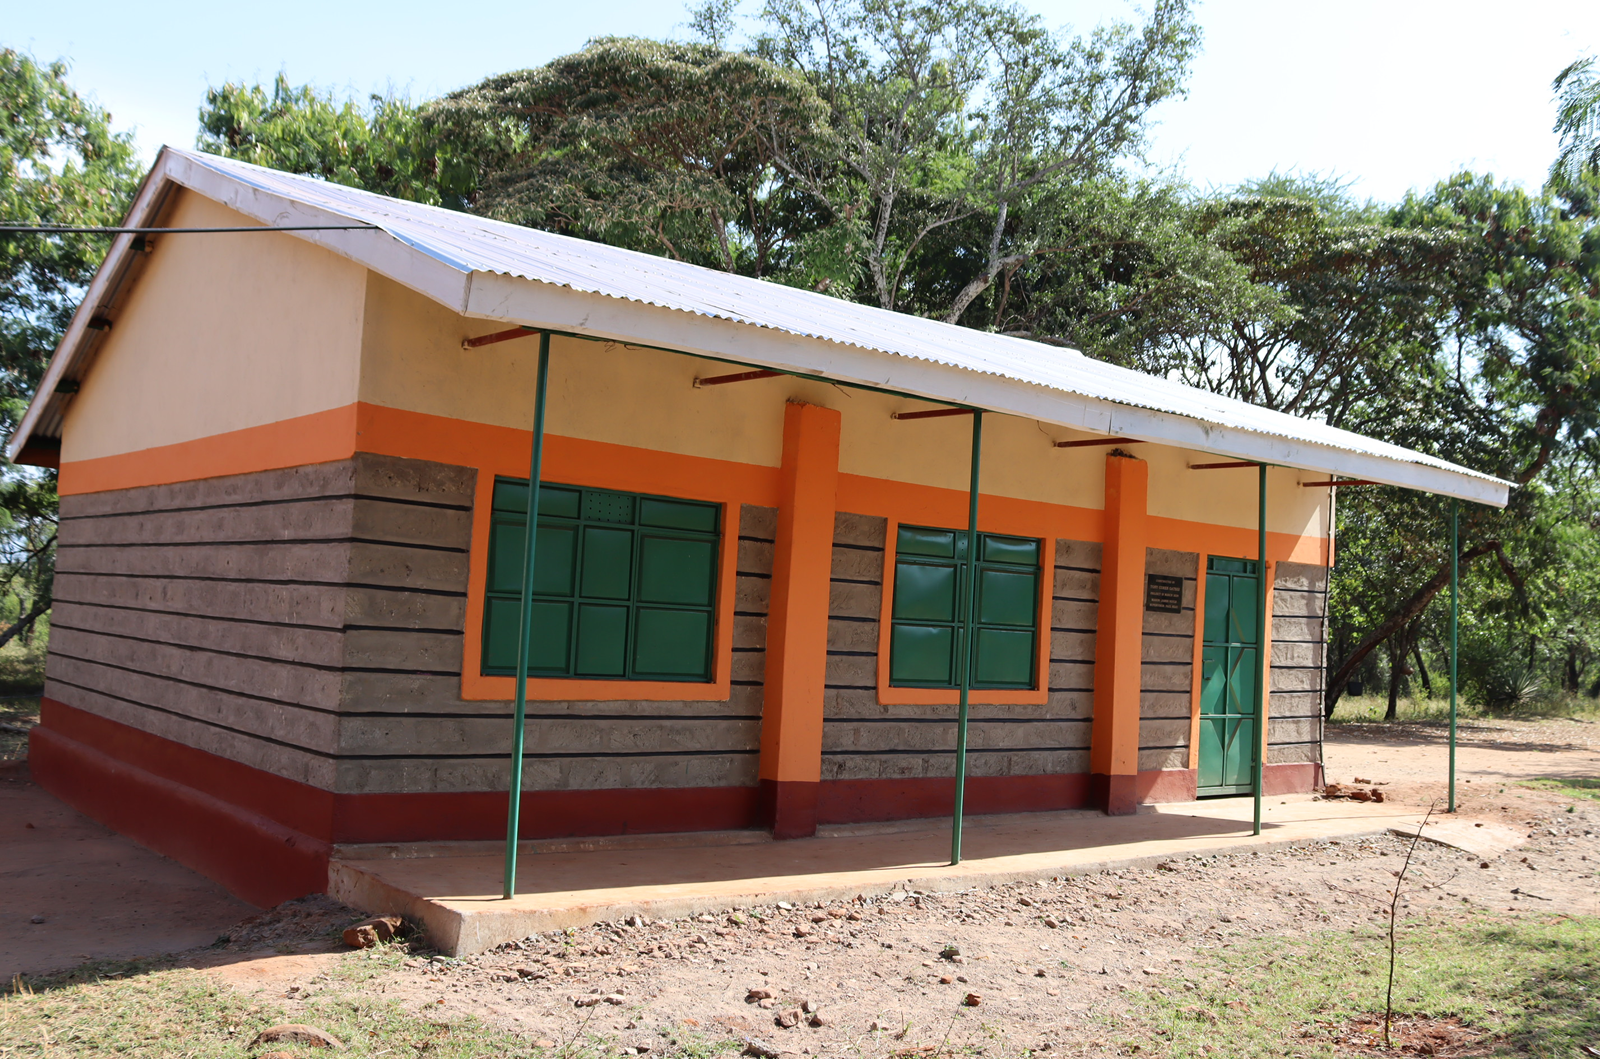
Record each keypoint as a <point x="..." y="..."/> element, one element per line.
<point x="890" y="694"/>
<point x="633" y="603"/>
<point x="622" y="469"/>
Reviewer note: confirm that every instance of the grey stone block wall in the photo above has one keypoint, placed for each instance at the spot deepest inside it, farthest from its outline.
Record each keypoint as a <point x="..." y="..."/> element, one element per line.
<point x="1294" y="725"/>
<point x="1294" y="717"/>
<point x="309" y="622"/>
<point x="864" y="739"/>
<point x="1166" y="671"/>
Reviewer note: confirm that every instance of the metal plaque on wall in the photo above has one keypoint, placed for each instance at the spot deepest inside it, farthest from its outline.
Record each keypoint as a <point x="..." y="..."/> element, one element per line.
<point x="1164" y="593"/>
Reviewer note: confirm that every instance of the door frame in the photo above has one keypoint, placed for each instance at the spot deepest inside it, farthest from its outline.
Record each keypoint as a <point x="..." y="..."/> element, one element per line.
<point x="1198" y="681"/>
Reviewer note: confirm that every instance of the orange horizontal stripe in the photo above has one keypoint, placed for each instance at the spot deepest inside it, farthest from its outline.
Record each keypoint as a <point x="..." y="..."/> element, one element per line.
<point x="320" y="437"/>
<point x="338" y="433"/>
<point x="1237" y="541"/>
<point x="931" y="505"/>
<point x="507" y="450"/>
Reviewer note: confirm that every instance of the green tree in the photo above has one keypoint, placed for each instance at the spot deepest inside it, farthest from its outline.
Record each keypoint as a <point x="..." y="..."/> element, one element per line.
<point x="60" y="164"/>
<point x="1511" y="386"/>
<point x="1360" y="301"/>
<point x="27" y="552"/>
<point x="663" y="147"/>
<point x="383" y="147"/>
<point x="1128" y="269"/>
<point x="950" y="112"/>
<point x="1577" y="91"/>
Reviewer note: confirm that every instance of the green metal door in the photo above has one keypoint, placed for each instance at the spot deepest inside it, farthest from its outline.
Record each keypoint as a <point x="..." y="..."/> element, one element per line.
<point x="1229" y="670"/>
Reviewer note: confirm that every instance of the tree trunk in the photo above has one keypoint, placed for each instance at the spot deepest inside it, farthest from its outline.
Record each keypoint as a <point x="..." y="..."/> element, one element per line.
<point x="1422" y="668"/>
<point x="1397" y="663"/>
<point x="1414" y="606"/>
<point x="26" y="621"/>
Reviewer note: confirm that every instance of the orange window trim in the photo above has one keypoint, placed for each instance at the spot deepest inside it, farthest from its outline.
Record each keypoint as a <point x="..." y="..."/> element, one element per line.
<point x="475" y="686"/>
<point x="889" y="695"/>
<point x="1199" y="656"/>
<point x="576" y="461"/>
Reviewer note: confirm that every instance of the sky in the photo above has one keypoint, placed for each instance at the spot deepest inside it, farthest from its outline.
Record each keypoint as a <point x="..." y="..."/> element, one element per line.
<point x="1386" y="95"/>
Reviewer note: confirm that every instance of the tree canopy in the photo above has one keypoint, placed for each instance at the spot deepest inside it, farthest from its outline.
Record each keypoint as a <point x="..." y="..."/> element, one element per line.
<point x="965" y="162"/>
<point x="663" y="147"/>
<point x="382" y="146"/>
<point x="60" y="164"/>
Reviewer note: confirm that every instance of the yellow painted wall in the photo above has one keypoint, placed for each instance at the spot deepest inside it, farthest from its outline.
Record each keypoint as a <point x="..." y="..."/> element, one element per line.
<point x="220" y="332"/>
<point x="1227" y="497"/>
<point x="412" y="359"/>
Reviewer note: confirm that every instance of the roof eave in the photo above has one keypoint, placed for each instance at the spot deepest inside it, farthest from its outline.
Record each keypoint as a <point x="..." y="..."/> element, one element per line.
<point x="537" y="303"/>
<point x="542" y="305"/>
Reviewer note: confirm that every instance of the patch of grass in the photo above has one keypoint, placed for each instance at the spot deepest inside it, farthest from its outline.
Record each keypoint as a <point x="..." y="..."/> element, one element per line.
<point x="182" y="1012"/>
<point x="18" y="712"/>
<point x="1577" y="786"/>
<point x="1558" y="704"/>
<point x="150" y="1009"/>
<point x="1529" y="985"/>
<point x="1366" y="709"/>
<point x="22" y="665"/>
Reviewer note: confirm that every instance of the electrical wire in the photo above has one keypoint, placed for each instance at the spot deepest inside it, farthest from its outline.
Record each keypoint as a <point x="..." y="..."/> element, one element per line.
<point x="69" y="229"/>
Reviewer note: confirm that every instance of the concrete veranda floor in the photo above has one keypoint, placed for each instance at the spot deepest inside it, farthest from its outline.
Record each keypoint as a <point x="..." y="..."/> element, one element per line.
<point x="454" y="889"/>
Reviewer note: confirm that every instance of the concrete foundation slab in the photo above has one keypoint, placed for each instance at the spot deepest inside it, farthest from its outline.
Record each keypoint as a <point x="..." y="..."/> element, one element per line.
<point x="1480" y="838"/>
<point x="455" y="895"/>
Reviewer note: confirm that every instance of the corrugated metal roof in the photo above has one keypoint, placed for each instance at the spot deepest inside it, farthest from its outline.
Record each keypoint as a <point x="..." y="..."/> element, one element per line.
<point x="469" y="244"/>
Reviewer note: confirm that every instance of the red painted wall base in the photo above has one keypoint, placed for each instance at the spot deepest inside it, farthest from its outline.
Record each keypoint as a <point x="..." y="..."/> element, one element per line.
<point x="255" y="857"/>
<point x="789" y="808"/>
<point x="1156" y="786"/>
<point x="1290" y="779"/>
<point x="1114" y="795"/>
<point x="268" y="839"/>
<point x="1165" y="785"/>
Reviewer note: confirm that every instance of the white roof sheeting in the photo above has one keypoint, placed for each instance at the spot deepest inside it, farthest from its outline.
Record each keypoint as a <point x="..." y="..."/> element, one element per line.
<point x="465" y="262"/>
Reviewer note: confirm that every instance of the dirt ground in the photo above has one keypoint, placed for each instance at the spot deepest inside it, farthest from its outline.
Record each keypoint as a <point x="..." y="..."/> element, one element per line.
<point x="72" y="890"/>
<point x="1045" y="966"/>
<point x="1413" y="758"/>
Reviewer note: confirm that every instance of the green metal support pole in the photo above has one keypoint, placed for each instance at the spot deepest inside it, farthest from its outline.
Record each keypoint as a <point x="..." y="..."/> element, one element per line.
<point x="969" y="648"/>
<point x="1455" y="619"/>
<point x="1265" y="673"/>
<point x="525" y="626"/>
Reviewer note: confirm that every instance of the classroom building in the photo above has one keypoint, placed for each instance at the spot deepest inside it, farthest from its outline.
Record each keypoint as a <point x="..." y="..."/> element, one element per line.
<point x="293" y="469"/>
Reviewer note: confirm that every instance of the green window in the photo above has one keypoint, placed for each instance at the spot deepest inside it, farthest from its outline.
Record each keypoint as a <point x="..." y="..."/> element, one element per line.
<point x="930" y="573"/>
<point x="624" y="585"/>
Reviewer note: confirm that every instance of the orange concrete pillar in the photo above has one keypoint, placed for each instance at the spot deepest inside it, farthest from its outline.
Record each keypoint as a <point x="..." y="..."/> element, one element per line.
<point x="1114" y="744"/>
<point x="797" y="621"/>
